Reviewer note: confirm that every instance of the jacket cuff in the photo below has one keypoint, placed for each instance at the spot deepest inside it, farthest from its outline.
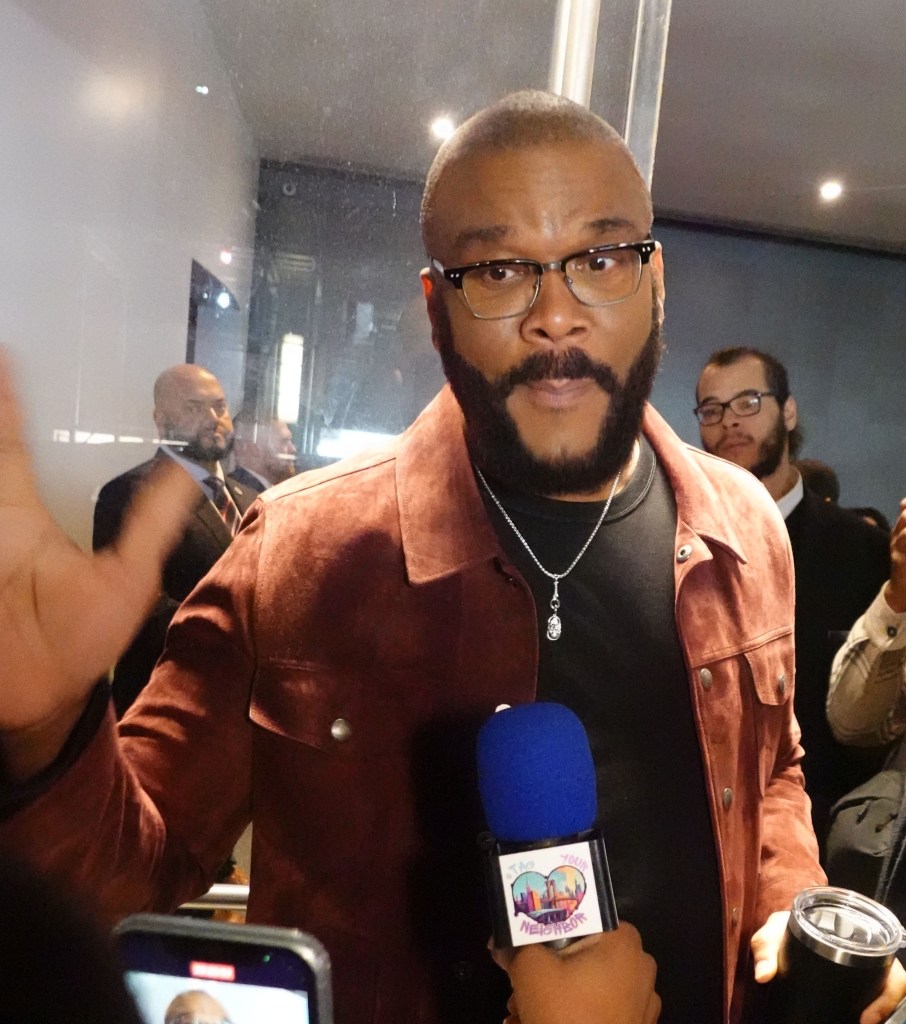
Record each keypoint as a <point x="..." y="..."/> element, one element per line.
<point x="15" y="796"/>
<point x="884" y="627"/>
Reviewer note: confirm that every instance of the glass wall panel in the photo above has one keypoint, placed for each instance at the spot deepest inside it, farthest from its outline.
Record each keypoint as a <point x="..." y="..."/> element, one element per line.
<point x="236" y="184"/>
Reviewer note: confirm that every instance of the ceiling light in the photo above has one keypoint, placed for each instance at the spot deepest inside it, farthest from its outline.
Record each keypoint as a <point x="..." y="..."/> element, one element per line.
<point x="226" y="256"/>
<point x="202" y="90"/>
<point x="223" y="300"/>
<point x="830" y="191"/>
<point x="442" y="128"/>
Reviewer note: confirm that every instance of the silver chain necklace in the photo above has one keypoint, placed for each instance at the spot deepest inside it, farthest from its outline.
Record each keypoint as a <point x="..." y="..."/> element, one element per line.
<point x="554" y="625"/>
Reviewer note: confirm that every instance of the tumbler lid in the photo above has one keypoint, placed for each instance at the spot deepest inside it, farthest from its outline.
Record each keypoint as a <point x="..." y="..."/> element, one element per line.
<point x="845" y="926"/>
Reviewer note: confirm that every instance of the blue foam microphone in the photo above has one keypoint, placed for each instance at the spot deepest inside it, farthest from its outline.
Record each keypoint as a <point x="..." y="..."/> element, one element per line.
<point x="547" y="873"/>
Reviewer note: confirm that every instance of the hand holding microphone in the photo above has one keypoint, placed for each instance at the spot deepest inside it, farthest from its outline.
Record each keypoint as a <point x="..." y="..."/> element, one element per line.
<point x="603" y="979"/>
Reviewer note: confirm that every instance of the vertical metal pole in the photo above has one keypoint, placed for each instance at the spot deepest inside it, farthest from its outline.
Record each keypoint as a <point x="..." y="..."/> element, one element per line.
<point x="643" y="106"/>
<point x="573" y="60"/>
<point x="573" y="56"/>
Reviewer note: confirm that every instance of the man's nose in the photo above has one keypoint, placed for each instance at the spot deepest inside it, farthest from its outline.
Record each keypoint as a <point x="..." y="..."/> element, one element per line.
<point x="556" y="315"/>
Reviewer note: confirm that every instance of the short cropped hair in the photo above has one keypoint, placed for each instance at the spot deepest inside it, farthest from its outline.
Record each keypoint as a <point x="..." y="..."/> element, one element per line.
<point x="522" y="119"/>
<point x="777" y="379"/>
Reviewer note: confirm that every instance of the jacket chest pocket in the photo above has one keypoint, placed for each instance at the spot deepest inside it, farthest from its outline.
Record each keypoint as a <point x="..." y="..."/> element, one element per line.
<point x="745" y="699"/>
<point x="349" y="714"/>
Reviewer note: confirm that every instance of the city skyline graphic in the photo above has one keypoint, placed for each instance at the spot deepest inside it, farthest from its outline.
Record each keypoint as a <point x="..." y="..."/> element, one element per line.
<point x="551" y="898"/>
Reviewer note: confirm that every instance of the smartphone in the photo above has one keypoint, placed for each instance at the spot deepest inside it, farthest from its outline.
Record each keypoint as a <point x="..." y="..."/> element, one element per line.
<point x="184" y="970"/>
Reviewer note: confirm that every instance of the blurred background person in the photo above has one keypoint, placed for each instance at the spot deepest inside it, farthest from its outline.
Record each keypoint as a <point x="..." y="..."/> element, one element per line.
<point x="265" y="453"/>
<point x="57" y="964"/>
<point x="866" y="701"/>
<point x="196" y="431"/>
<point x="747" y="414"/>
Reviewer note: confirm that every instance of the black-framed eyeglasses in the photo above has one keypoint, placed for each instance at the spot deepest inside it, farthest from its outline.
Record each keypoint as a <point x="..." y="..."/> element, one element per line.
<point x="601" y="276"/>
<point x="746" y="403"/>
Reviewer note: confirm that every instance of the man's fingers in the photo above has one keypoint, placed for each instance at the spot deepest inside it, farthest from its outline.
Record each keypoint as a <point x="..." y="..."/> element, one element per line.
<point x="19" y="487"/>
<point x="893" y="994"/>
<point x="155" y="521"/>
<point x="766" y="945"/>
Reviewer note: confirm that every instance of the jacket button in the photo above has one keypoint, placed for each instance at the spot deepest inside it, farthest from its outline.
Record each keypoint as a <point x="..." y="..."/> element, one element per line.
<point x="706" y="678"/>
<point x="781" y="684"/>
<point x="684" y="553"/>
<point x="727" y="798"/>
<point x="341" y="730"/>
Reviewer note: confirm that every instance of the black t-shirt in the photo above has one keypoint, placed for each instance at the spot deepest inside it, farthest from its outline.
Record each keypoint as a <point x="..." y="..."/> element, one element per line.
<point x="619" y="665"/>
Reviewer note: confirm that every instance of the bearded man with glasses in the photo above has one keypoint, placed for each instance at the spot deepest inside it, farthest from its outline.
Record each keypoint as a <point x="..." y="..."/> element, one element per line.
<point x="538" y="533"/>
<point x="746" y="414"/>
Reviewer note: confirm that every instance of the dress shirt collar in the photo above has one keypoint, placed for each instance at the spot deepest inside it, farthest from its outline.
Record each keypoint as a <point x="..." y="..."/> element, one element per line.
<point x="793" y="496"/>
<point x="198" y="473"/>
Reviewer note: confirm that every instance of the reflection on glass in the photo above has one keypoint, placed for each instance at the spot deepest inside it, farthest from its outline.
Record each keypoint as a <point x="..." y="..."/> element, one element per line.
<point x="215" y="179"/>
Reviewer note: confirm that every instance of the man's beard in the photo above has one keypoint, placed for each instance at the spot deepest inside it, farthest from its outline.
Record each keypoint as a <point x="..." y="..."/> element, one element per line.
<point x="493" y="437"/>
<point x="770" y="451"/>
<point x="197" y="450"/>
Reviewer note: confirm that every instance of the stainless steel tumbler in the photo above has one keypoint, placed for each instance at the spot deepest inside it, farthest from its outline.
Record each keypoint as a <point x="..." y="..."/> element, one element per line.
<point x="835" y="957"/>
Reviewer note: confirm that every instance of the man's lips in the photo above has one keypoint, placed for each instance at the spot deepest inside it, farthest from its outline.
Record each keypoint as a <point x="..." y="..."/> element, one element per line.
<point x="730" y="443"/>
<point x="557" y="392"/>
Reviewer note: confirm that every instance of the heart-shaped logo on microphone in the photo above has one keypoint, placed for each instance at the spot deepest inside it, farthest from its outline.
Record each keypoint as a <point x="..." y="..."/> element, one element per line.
<point x="549" y="899"/>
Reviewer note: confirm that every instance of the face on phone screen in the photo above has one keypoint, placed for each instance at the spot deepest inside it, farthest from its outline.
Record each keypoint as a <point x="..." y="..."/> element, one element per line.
<point x="175" y="980"/>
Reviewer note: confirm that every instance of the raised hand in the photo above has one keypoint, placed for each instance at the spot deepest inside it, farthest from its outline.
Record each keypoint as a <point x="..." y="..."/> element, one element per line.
<point x="65" y="615"/>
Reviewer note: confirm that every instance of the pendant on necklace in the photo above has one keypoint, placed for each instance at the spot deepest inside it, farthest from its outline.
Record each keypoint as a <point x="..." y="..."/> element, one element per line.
<point x="554" y="625"/>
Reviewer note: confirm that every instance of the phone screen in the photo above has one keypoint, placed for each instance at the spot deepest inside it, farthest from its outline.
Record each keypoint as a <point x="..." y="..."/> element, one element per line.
<point x="176" y="980"/>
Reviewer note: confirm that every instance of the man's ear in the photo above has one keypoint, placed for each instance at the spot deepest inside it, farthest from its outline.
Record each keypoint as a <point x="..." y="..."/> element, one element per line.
<point x="657" y="271"/>
<point x="790" y="414"/>
<point x="427" y="280"/>
<point x="429" y="288"/>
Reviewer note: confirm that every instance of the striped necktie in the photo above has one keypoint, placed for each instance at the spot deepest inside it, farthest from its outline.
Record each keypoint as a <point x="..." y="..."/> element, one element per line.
<point x="224" y="504"/>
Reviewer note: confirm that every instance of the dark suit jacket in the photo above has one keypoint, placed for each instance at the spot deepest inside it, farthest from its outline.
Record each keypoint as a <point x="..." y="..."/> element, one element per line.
<point x="840" y="564"/>
<point x="247" y="479"/>
<point x="204" y="541"/>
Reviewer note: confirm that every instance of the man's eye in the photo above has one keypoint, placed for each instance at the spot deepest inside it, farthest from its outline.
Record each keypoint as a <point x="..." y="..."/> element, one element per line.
<point x="509" y="273"/>
<point x="600" y="264"/>
<point x="748" y="402"/>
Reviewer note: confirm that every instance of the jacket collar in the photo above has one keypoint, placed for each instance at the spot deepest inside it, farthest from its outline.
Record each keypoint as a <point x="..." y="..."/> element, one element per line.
<point x="443" y="523"/>
<point x="700" y="504"/>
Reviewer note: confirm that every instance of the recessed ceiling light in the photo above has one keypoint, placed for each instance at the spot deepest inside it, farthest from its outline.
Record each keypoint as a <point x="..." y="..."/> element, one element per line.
<point x="830" y="191"/>
<point x="202" y="90"/>
<point x="226" y="256"/>
<point x="442" y="128"/>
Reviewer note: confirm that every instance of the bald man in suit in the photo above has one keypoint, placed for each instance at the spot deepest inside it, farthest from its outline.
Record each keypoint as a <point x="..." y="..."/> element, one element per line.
<point x="196" y="431"/>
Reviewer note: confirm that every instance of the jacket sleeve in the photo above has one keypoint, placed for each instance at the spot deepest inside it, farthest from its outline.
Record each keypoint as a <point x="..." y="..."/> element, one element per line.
<point x="144" y="817"/>
<point x="866" y="701"/>
<point x="789" y="849"/>
<point x="109" y="510"/>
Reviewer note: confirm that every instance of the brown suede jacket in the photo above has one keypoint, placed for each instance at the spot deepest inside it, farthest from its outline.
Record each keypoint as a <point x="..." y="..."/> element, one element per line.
<point x="327" y="679"/>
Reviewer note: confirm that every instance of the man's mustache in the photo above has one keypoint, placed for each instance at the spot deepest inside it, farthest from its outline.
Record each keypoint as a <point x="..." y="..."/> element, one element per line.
<point x="569" y="364"/>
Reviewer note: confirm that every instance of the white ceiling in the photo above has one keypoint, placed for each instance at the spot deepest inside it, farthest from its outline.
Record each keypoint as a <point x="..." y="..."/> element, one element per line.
<point x="763" y="99"/>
